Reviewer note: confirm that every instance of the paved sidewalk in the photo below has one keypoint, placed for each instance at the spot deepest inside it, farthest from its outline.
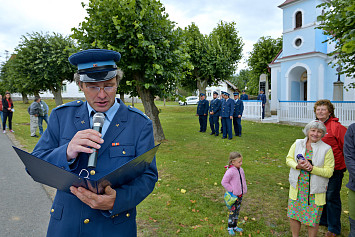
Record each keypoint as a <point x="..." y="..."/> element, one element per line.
<point x="24" y="204"/>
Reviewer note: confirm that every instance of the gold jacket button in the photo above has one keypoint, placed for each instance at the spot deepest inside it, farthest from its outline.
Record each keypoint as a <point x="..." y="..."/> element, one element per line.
<point x="123" y="152"/>
<point x="86" y="221"/>
<point x="52" y="210"/>
<point x="127" y="214"/>
<point x="92" y="172"/>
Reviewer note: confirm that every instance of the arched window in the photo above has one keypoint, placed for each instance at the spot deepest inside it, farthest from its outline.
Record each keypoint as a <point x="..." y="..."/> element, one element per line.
<point x="298" y="20"/>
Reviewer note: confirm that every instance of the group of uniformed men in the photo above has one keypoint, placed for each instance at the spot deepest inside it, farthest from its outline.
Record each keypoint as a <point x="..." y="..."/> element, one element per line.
<point x="228" y="110"/>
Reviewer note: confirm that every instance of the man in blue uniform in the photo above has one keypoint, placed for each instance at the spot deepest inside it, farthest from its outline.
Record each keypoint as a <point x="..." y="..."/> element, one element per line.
<point x="215" y="111"/>
<point x="227" y="116"/>
<point x="244" y="96"/>
<point x="202" y="112"/>
<point x="237" y="114"/>
<point x="262" y="97"/>
<point x="69" y="139"/>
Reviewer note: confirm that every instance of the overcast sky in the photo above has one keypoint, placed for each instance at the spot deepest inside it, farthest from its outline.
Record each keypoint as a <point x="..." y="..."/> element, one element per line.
<point x="254" y="18"/>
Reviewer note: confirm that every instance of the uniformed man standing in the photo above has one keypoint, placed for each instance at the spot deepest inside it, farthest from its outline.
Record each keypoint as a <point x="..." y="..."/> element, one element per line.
<point x="244" y="96"/>
<point x="237" y="115"/>
<point x="202" y="112"/>
<point x="215" y="112"/>
<point x="227" y="116"/>
<point x="69" y="139"/>
<point x="262" y="97"/>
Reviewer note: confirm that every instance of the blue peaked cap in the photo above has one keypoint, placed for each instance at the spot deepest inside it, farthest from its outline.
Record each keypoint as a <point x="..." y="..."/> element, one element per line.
<point x="235" y="93"/>
<point x="96" y="65"/>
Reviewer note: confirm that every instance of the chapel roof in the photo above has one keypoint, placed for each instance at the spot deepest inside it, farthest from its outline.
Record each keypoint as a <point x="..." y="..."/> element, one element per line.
<point x="287" y="2"/>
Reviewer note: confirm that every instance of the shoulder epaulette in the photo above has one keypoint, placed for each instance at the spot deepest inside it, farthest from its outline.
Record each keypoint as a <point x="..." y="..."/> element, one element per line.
<point x="133" y="109"/>
<point x="74" y="103"/>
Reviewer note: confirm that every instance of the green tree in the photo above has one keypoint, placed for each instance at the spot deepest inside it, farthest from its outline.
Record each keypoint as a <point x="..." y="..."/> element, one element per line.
<point x="242" y="78"/>
<point x="42" y="62"/>
<point x="264" y="51"/>
<point x="153" y="56"/>
<point x="214" y="57"/>
<point x="12" y="81"/>
<point x="338" y="21"/>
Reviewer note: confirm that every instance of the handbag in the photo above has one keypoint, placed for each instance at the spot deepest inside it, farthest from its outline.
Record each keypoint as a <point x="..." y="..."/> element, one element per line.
<point x="230" y="199"/>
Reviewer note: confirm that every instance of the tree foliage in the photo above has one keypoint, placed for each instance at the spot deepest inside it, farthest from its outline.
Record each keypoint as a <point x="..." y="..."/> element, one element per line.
<point x="241" y="79"/>
<point x="338" y="21"/>
<point x="214" y="56"/>
<point x="41" y="63"/>
<point x="153" y="56"/>
<point x="264" y="51"/>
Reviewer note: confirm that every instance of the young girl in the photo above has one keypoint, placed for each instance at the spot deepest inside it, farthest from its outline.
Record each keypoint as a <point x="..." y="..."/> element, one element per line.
<point x="234" y="182"/>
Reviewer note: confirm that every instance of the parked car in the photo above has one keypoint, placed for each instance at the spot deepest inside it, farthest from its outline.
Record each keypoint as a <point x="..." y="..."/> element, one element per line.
<point x="190" y="100"/>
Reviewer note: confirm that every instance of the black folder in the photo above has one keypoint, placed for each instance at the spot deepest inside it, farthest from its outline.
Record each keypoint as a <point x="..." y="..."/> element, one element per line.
<point x="46" y="173"/>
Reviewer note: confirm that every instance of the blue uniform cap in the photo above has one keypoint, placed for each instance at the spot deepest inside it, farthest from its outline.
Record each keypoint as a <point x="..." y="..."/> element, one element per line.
<point x="215" y="92"/>
<point x="96" y="65"/>
<point x="243" y="90"/>
<point x="226" y="93"/>
<point x="202" y="94"/>
<point x="235" y="93"/>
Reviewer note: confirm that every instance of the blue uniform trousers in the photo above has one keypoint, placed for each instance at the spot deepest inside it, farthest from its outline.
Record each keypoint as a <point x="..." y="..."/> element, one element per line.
<point x="203" y="122"/>
<point x="227" y="127"/>
<point x="214" y="124"/>
<point x="332" y="209"/>
<point x="237" y="123"/>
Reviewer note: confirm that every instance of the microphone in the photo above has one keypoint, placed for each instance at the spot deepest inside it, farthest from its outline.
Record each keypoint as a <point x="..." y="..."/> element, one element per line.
<point x="98" y="122"/>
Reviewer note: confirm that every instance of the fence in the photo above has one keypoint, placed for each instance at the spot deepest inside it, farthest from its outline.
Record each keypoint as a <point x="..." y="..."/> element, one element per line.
<point x="303" y="112"/>
<point x="252" y="109"/>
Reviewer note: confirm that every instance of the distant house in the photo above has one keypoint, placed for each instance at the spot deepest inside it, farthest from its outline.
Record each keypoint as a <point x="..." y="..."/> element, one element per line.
<point x="301" y="71"/>
<point x="222" y="86"/>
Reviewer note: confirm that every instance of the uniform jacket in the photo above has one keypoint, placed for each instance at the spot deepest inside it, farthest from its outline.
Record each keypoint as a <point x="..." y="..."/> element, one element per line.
<point x="244" y="97"/>
<point x="227" y="108"/>
<point x="323" y="167"/>
<point x="6" y="105"/>
<point x="234" y="181"/>
<point x="202" y="107"/>
<point x="262" y="97"/>
<point x="215" y="107"/>
<point x="238" y="108"/>
<point x="335" y="138"/>
<point x="133" y="132"/>
<point x="349" y="155"/>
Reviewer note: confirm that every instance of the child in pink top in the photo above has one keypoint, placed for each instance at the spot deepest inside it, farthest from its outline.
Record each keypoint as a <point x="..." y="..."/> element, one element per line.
<point x="234" y="182"/>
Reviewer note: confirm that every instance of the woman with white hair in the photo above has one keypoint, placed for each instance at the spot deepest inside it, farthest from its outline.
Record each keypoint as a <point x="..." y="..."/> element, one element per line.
<point x="311" y="163"/>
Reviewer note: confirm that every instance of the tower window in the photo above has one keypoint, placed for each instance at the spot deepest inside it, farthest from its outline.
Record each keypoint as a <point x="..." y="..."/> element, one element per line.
<point x="298" y="20"/>
<point x="298" y="42"/>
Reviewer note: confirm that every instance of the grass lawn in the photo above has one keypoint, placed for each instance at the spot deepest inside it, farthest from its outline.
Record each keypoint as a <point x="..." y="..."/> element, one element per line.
<point x="195" y="162"/>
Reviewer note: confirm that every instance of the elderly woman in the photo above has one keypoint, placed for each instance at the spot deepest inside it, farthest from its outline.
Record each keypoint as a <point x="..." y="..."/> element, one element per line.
<point x="324" y="111"/>
<point x="311" y="163"/>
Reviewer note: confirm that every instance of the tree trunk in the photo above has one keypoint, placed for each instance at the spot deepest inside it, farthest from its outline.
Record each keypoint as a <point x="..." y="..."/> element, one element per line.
<point x="201" y="85"/>
<point x="57" y="96"/>
<point x="24" y="98"/>
<point x="122" y="97"/>
<point x="150" y="108"/>
<point x="132" y="101"/>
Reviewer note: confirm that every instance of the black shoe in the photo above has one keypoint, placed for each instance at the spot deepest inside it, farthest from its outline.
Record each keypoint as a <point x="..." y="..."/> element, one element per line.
<point x="216" y="134"/>
<point x="223" y="137"/>
<point x="211" y="133"/>
<point x="35" y="136"/>
<point x="230" y="138"/>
